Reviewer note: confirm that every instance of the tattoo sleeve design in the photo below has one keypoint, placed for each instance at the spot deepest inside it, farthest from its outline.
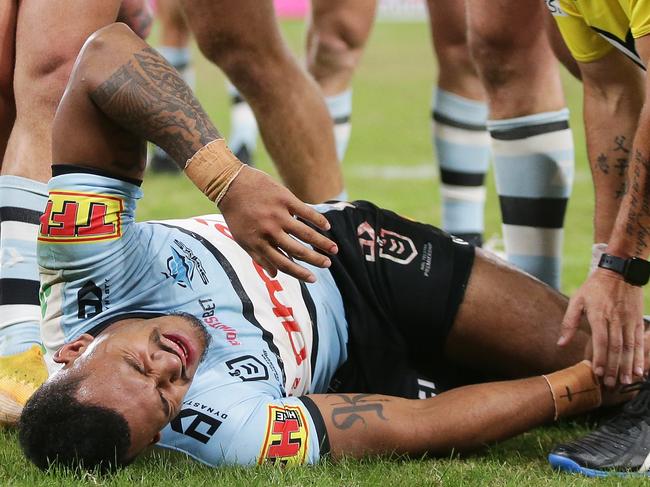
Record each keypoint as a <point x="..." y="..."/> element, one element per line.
<point x="638" y="217"/>
<point x="149" y="98"/>
<point x="345" y="414"/>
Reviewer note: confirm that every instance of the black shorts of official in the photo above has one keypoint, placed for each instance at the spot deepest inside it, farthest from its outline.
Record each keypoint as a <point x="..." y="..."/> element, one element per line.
<point x="402" y="283"/>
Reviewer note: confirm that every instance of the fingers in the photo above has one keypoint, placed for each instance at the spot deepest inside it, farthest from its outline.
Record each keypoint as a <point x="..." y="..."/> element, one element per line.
<point x="639" y="348"/>
<point x="297" y="250"/>
<point x="571" y="321"/>
<point x="270" y="269"/>
<point x="311" y="236"/>
<point x="306" y="212"/>
<point x="286" y="265"/>
<point x="599" y="340"/>
<point x="628" y="351"/>
<point x="614" y="352"/>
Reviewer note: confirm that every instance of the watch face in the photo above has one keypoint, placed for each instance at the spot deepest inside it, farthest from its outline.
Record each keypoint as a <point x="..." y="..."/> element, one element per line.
<point x="637" y="272"/>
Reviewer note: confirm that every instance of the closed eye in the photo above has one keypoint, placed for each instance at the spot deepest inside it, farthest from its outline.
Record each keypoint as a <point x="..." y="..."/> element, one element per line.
<point x="134" y="364"/>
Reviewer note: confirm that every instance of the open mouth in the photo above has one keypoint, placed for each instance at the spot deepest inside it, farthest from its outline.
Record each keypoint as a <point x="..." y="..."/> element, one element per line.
<point x="182" y="348"/>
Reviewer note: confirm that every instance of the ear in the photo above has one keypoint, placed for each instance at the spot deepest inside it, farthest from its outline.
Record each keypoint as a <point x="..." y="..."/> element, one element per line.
<point x="69" y="352"/>
<point x="155" y="439"/>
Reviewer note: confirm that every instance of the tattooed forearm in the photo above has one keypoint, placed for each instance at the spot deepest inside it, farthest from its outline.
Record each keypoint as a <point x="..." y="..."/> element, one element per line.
<point x="149" y="98"/>
<point x="353" y="408"/>
<point x="638" y="211"/>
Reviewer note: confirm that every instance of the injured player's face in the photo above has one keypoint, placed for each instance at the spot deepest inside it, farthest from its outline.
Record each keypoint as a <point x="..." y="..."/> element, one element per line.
<point x="141" y="368"/>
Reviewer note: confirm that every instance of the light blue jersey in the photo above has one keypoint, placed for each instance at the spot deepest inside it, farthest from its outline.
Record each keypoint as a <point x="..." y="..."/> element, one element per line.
<point x="273" y="339"/>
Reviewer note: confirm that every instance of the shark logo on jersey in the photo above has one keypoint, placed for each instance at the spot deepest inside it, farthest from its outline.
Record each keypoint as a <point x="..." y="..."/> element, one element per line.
<point x="181" y="267"/>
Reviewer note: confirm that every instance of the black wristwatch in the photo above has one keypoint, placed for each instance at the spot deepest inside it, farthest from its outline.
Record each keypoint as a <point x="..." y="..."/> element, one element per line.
<point x="635" y="271"/>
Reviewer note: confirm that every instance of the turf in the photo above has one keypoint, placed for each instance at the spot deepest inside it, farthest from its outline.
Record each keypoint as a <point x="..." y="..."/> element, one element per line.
<point x="389" y="162"/>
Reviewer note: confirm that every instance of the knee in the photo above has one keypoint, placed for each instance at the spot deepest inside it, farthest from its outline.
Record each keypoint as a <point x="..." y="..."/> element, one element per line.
<point x="251" y="65"/>
<point x="455" y="58"/>
<point x="493" y="60"/>
<point x="337" y="45"/>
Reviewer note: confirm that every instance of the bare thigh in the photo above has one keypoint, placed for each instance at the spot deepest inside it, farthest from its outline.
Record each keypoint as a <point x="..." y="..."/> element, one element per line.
<point x="509" y="323"/>
<point x="43" y="65"/>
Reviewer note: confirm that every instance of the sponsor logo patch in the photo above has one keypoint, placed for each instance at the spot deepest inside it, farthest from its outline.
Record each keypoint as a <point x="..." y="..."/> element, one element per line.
<point x="89" y="301"/>
<point x="247" y="368"/>
<point x="392" y="245"/>
<point x="195" y="424"/>
<point x="72" y="217"/>
<point x="286" y="438"/>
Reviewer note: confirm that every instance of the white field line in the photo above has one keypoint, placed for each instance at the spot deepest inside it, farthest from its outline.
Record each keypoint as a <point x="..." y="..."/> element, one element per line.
<point x="411" y="173"/>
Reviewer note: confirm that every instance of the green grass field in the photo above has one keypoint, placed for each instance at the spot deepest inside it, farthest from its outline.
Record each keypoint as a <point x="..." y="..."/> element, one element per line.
<point x="389" y="162"/>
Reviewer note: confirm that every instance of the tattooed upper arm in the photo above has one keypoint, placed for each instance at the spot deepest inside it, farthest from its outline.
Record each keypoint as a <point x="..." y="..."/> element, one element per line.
<point x="148" y="97"/>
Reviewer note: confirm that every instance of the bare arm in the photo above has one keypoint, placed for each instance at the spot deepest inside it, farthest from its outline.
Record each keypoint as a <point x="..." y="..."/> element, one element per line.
<point x="121" y="92"/>
<point x="459" y="420"/>
<point x="615" y="114"/>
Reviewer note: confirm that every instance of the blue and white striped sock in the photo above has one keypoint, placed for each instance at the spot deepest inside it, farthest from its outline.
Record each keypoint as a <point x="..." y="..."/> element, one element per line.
<point x="463" y="149"/>
<point x="340" y="108"/>
<point x="22" y="202"/>
<point x="243" y="127"/>
<point x="534" y="167"/>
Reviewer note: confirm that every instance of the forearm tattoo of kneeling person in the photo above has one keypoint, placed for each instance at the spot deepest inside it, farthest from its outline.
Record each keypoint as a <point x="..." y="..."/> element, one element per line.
<point x="345" y="414"/>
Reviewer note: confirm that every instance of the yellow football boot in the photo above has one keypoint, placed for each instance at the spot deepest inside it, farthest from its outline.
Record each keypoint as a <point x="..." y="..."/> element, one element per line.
<point x="20" y="375"/>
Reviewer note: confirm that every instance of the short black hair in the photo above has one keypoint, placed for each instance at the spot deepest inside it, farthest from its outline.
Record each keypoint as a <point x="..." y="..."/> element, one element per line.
<point x="56" y="429"/>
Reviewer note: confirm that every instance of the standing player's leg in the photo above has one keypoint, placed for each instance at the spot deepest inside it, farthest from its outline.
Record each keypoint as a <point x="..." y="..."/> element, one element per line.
<point x="175" y="48"/>
<point x="243" y="127"/>
<point x="531" y="141"/>
<point x="459" y="115"/>
<point x="336" y="36"/>
<point x="243" y="39"/>
<point x="8" y="11"/>
<point x="41" y="72"/>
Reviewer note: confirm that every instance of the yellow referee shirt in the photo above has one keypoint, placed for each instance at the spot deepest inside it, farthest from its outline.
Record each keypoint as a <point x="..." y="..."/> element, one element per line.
<point x="592" y="27"/>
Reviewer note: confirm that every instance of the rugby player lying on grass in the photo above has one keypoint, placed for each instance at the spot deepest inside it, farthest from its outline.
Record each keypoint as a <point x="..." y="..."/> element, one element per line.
<point x="167" y="332"/>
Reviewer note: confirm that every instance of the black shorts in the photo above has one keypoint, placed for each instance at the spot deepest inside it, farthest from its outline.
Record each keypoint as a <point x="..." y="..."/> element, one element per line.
<point x="402" y="283"/>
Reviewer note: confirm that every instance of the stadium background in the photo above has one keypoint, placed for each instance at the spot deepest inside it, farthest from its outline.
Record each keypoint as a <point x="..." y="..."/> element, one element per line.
<point x="390" y="161"/>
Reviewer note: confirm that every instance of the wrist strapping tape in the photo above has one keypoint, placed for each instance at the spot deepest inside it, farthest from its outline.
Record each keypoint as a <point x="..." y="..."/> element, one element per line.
<point x="213" y="168"/>
<point x="575" y="390"/>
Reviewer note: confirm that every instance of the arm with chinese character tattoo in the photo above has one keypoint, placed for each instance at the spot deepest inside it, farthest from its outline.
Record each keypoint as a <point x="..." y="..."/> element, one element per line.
<point x="617" y="127"/>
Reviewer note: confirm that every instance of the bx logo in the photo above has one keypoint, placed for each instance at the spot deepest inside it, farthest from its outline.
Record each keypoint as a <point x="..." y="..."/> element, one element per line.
<point x="201" y="428"/>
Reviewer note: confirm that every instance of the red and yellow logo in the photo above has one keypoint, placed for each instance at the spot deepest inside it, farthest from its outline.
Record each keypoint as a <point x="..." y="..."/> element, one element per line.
<point x="72" y="217"/>
<point x="286" y="436"/>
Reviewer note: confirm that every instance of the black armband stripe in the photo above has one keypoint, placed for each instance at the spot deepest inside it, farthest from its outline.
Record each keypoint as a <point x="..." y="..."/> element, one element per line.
<point x="319" y="423"/>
